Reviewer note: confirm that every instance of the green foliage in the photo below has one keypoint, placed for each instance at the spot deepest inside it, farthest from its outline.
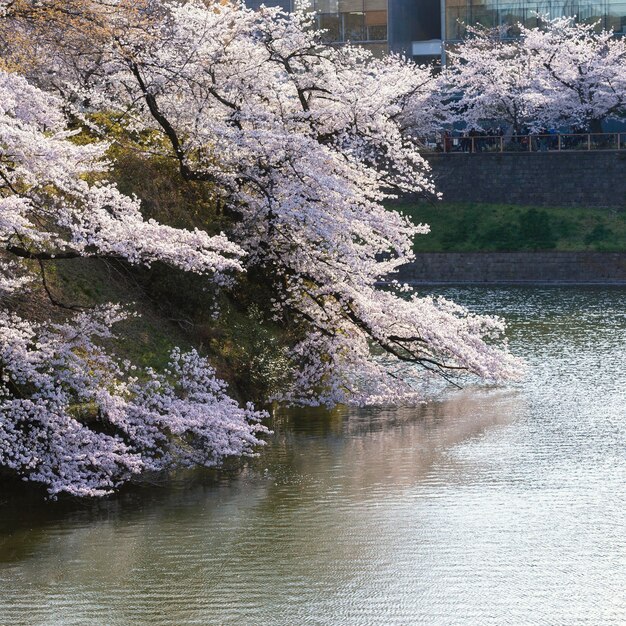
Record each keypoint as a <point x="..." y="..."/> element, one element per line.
<point x="599" y="233"/>
<point x="535" y="230"/>
<point x="255" y="349"/>
<point x="175" y="308"/>
<point x="146" y="339"/>
<point x="142" y="165"/>
<point x="247" y="349"/>
<point x="179" y="309"/>
<point x="485" y="227"/>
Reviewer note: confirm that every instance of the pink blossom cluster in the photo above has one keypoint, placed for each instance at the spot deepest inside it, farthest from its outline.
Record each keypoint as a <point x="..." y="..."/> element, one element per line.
<point x="77" y="421"/>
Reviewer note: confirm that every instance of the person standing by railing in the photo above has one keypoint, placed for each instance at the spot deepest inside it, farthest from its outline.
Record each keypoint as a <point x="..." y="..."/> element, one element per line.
<point x="473" y="134"/>
<point x="465" y="142"/>
<point x="553" y="140"/>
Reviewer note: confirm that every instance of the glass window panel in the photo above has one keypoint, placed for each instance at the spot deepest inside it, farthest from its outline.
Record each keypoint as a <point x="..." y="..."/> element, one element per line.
<point x="567" y="9"/>
<point x="456" y="17"/>
<point x="353" y="26"/>
<point x="376" y="18"/>
<point x="592" y="13"/>
<point x="548" y="8"/>
<point x="376" y="25"/>
<point x="531" y="19"/>
<point x="610" y="14"/>
<point x="377" y="33"/>
<point x="484" y="17"/>
<point x="510" y="14"/>
<point x="375" y="5"/>
<point x="330" y="22"/>
<point x="326" y="6"/>
<point x="617" y="17"/>
<point x="350" y="6"/>
<point x="617" y="8"/>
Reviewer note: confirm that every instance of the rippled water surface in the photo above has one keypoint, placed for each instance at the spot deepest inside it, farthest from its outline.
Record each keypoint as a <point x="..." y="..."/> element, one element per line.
<point x="488" y="506"/>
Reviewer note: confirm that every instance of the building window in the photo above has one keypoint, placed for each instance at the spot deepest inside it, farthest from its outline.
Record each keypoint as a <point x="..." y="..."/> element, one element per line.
<point x="609" y="14"/>
<point x="353" y="26"/>
<point x="331" y="23"/>
<point x="358" y="21"/>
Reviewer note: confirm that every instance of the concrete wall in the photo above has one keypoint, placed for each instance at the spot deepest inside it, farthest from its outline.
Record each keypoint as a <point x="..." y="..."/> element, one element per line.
<point x="586" y="179"/>
<point x="517" y="267"/>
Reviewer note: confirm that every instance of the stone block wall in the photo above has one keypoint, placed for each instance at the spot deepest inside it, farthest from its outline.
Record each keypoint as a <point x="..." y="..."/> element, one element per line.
<point x="517" y="268"/>
<point x="558" y="179"/>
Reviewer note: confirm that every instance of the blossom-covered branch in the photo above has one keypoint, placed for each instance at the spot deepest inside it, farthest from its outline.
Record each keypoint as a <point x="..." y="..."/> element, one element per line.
<point x="77" y="421"/>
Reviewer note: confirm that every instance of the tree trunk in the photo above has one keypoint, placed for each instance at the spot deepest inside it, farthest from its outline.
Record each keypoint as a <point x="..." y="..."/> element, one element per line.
<point x="595" y="126"/>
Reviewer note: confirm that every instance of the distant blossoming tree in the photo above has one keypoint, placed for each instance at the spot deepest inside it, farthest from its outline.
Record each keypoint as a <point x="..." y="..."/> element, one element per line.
<point x="494" y="80"/>
<point x="582" y="72"/>
<point x="559" y="73"/>
<point x="304" y="144"/>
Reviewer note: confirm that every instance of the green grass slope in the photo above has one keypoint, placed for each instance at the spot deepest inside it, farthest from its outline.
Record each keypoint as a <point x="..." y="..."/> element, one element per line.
<point x="487" y="227"/>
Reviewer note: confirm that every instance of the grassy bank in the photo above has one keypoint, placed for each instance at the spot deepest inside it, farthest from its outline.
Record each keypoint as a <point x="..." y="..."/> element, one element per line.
<point x="176" y="309"/>
<point x="487" y="227"/>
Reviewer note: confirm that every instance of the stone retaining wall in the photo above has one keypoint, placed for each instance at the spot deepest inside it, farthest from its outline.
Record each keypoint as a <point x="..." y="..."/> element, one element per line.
<point x="517" y="267"/>
<point x="558" y="179"/>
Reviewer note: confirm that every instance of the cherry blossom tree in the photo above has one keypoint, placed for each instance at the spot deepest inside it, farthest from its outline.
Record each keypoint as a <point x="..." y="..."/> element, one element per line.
<point x="303" y="145"/>
<point x="582" y="71"/>
<point x="306" y="143"/>
<point x="495" y="79"/>
<point x="559" y="73"/>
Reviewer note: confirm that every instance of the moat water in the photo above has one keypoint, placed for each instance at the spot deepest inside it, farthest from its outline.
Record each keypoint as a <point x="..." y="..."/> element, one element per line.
<point x="486" y="506"/>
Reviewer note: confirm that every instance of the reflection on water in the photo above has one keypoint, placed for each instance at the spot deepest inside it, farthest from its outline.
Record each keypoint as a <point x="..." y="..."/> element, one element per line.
<point x="487" y="506"/>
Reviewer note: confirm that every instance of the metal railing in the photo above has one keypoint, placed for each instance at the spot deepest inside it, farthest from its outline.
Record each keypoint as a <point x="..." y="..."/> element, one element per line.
<point x="550" y="142"/>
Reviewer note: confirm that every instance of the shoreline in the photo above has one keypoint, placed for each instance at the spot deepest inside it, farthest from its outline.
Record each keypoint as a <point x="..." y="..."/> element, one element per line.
<point x="516" y="268"/>
<point x="509" y="283"/>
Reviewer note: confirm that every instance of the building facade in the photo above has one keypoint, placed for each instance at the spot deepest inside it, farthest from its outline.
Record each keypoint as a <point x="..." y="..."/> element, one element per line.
<point x="610" y="14"/>
<point x="422" y="28"/>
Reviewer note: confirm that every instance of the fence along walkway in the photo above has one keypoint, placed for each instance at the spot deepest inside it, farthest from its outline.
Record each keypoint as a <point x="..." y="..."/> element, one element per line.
<point x="561" y="142"/>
